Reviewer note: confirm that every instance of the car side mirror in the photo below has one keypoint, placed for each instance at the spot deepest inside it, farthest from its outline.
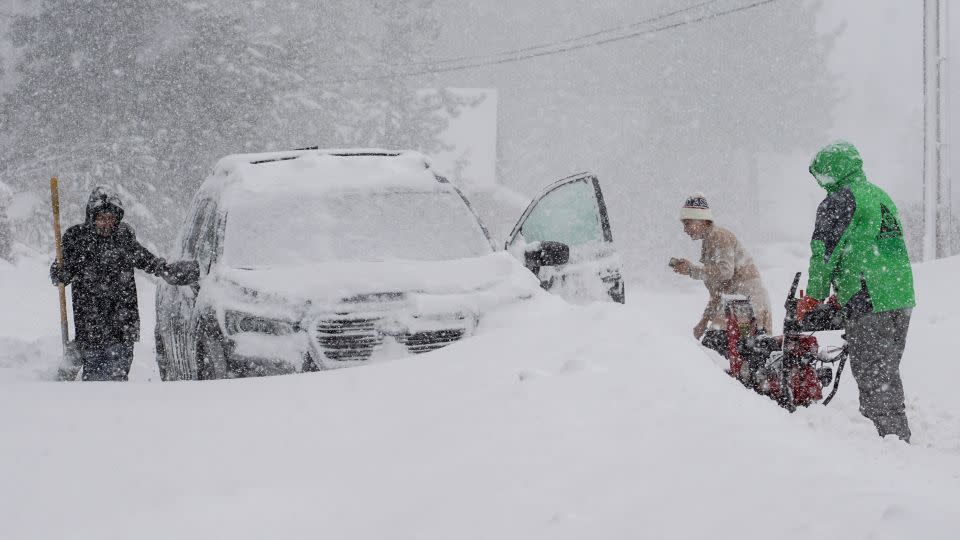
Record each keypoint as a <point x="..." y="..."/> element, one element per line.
<point x="545" y="253"/>
<point x="554" y="253"/>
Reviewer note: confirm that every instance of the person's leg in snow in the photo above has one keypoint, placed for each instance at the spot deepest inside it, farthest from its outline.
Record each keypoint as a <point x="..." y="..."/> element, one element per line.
<point x="109" y="363"/>
<point x="876" y="342"/>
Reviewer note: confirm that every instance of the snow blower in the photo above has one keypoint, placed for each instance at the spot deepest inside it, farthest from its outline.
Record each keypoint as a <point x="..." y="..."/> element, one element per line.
<point x="791" y="369"/>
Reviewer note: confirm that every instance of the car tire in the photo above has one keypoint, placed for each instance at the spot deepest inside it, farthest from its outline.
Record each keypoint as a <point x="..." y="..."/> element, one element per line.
<point x="211" y="357"/>
<point x="618" y="292"/>
<point x="163" y="363"/>
<point x="309" y="365"/>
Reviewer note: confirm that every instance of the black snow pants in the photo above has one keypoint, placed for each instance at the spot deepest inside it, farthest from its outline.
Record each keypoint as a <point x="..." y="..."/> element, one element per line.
<point x="107" y="363"/>
<point x="876" y="342"/>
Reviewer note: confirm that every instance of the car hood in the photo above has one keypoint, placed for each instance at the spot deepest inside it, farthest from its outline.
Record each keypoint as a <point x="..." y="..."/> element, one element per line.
<point x="333" y="283"/>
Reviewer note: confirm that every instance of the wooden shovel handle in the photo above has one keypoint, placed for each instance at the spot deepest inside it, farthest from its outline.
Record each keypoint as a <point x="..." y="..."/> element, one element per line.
<point x="55" y="202"/>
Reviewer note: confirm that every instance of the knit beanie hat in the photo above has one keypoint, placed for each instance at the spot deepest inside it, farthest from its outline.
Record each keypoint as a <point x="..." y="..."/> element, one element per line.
<point x="696" y="207"/>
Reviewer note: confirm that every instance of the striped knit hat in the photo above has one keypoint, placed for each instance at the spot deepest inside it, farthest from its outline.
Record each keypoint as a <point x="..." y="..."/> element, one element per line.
<point x="696" y="207"/>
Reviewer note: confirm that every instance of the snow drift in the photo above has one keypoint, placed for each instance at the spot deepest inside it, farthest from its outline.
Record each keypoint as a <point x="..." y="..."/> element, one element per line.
<point x="555" y="421"/>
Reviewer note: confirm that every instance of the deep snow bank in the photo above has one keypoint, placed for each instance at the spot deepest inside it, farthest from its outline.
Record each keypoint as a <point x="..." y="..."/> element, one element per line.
<point x="556" y="421"/>
<point x="30" y="321"/>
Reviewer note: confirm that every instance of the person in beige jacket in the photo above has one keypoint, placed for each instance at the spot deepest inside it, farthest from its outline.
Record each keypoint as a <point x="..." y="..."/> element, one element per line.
<point x="727" y="267"/>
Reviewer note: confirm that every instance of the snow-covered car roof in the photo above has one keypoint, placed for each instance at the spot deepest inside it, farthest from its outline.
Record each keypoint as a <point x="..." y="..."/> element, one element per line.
<point x="321" y="170"/>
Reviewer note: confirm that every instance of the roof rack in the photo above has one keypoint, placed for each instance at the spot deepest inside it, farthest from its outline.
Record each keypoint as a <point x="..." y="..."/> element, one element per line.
<point x="354" y="153"/>
<point x="343" y="153"/>
<point x="270" y="160"/>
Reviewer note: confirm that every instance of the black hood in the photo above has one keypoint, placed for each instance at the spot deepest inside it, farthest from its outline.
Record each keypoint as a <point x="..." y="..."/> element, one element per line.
<point x="103" y="199"/>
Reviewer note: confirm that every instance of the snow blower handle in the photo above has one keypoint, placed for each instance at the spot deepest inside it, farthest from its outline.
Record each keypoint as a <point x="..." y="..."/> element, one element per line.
<point x="790" y="323"/>
<point x="793" y="288"/>
<point x="827" y="315"/>
<point x="55" y="202"/>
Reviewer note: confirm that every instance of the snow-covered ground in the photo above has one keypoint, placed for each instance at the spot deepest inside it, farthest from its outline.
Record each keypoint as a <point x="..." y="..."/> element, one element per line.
<point x="30" y="322"/>
<point x="556" y="421"/>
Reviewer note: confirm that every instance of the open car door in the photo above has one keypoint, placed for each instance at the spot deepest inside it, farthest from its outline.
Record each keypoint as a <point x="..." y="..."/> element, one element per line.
<point x="564" y="238"/>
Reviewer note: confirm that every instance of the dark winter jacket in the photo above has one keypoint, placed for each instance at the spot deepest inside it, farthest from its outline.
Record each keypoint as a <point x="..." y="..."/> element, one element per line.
<point x="100" y="272"/>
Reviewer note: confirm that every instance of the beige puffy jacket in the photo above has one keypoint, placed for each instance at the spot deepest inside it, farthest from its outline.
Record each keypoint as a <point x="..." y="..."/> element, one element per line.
<point x="729" y="269"/>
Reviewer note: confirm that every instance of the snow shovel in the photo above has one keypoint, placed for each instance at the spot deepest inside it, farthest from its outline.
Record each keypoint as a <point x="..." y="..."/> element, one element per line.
<point x="70" y="363"/>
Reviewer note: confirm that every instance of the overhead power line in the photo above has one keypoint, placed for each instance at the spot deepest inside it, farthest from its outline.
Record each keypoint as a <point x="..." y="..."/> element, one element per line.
<point x="559" y="47"/>
<point x="547" y="45"/>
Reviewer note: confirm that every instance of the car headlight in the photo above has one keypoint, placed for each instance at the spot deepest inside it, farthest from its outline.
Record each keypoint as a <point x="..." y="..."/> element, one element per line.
<point x="237" y="322"/>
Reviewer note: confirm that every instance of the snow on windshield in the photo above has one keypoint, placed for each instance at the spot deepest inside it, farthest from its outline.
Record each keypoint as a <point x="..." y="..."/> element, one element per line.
<point x="292" y="228"/>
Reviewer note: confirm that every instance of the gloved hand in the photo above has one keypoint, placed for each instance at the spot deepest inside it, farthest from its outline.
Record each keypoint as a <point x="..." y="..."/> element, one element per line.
<point x="58" y="274"/>
<point x="699" y="329"/>
<point x="157" y="267"/>
<point x="805" y="305"/>
<point x="182" y="273"/>
<point x="680" y="266"/>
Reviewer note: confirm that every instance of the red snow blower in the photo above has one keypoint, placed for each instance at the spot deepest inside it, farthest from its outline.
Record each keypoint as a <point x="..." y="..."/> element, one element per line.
<point x="790" y="369"/>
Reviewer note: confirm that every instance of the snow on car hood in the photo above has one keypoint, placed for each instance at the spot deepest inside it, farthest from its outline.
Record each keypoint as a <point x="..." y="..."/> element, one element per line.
<point x="494" y="278"/>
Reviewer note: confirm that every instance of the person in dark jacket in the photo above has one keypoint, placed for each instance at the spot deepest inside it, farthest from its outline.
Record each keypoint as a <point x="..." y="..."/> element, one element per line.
<point x="99" y="257"/>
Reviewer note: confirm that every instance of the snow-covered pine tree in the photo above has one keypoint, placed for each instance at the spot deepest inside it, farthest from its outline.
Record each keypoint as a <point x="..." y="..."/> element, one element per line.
<point x="403" y="111"/>
<point x="145" y="95"/>
<point x="340" y="72"/>
<point x="136" y="94"/>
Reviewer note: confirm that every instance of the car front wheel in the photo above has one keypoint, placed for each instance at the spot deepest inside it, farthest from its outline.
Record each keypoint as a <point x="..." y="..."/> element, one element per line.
<point x="211" y="358"/>
<point x="163" y="363"/>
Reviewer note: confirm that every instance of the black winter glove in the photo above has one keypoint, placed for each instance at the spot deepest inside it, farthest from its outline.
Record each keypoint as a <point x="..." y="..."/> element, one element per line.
<point x="157" y="267"/>
<point x="182" y="273"/>
<point x="58" y="274"/>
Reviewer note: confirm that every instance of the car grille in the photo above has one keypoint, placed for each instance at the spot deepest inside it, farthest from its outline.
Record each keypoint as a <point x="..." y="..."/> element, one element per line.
<point x="349" y="338"/>
<point x="421" y="342"/>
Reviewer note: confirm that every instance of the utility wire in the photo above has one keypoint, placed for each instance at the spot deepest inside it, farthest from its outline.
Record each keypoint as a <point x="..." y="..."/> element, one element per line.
<point x="548" y="45"/>
<point x="551" y="52"/>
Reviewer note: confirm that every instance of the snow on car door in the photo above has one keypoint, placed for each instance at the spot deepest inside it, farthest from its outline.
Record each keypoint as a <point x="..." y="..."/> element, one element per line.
<point x="180" y="314"/>
<point x="571" y="211"/>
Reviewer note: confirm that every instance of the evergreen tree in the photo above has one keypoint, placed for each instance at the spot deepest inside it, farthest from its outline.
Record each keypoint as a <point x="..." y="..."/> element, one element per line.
<point x="393" y="118"/>
<point x="145" y="95"/>
<point x="335" y="68"/>
<point x="136" y="94"/>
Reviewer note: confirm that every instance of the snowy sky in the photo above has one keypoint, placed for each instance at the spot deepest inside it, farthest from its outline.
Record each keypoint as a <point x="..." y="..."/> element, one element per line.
<point x="880" y="57"/>
<point x="581" y="111"/>
<point x="877" y="55"/>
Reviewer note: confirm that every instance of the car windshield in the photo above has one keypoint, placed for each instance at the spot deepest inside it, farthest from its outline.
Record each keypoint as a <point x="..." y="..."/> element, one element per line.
<point x="309" y="228"/>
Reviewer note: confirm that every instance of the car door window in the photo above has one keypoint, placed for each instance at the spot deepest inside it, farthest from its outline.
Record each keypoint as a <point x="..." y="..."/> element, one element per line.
<point x="194" y="230"/>
<point x="206" y="241"/>
<point x="568" y="214"/>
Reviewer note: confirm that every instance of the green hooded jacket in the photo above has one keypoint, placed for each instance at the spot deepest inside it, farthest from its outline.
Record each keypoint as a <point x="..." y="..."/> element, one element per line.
<point x="857" y="245"/>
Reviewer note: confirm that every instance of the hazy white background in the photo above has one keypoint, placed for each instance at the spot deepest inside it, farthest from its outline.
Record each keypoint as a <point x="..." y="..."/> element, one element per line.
<point x="647" y="114"/>
<point x="876" y="56"/>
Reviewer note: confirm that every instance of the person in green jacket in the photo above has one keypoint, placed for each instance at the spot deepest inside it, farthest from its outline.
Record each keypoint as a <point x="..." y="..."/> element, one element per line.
<point x="858" y="249"/>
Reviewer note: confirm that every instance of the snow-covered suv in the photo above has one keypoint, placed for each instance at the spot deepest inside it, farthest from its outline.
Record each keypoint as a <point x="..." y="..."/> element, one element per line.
<point x="319" y="259"/>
